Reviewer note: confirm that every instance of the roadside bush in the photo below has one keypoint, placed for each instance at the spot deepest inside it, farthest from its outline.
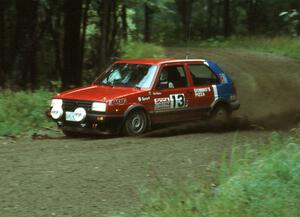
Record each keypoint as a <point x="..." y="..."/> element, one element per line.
<point x="132" y="50"/>
<point x="253" y="183"/>
<point x="23" y="112"/>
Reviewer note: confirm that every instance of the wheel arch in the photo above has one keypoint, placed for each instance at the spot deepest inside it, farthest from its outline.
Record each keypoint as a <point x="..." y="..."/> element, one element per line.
<point x="136" y="107"/>
<point x="220" y="103"/>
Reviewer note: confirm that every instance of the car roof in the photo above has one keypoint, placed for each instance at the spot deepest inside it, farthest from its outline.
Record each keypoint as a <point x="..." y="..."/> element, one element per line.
<point x="158" y="61"/>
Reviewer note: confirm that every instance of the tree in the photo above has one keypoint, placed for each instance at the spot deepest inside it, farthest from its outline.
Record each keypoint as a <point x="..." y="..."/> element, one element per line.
<point x="71" y="76"/>
<point x="210" y="7"/>
<point x="84" y="27"/>
<point x="109" y="27"/>
<point x="184" y="7"/>
<point x="54" y="12"/>
<point x="2" y="43"/>
<point x="147" y="22"/>
<point x="251" y="16"/>
<point x="25" y="59"/>
<point x="226" y="18"/>
<point x="124" y="22"/>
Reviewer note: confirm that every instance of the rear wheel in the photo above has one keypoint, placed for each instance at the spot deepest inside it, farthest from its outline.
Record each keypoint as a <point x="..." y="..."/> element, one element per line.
<point x="220" y="115"/>
<point x="135" y="123"/>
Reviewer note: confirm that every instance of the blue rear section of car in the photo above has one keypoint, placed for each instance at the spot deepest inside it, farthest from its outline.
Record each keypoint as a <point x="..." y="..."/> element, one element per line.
<point x="225" y="88"/>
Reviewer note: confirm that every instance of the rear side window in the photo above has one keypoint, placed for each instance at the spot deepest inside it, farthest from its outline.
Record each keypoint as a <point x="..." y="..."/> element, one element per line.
<point x="202" y="75"/>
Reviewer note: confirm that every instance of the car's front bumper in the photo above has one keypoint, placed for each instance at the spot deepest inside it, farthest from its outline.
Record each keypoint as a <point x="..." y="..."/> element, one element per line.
<point x="93" y="123"/>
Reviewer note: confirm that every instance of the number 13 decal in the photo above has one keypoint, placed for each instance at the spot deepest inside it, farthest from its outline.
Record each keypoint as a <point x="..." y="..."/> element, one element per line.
<point x="177" y="100"/>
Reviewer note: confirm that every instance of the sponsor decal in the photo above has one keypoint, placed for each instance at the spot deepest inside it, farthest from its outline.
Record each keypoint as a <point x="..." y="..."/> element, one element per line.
<point x="201" y="91"/>
<point x="156" y="93"/>
<point x="162" y="103"/>
<point x="174" y="101"/>
<point x="118" y="101"/>
<point x="143" y="98"/>
<point x="222" y="78"/>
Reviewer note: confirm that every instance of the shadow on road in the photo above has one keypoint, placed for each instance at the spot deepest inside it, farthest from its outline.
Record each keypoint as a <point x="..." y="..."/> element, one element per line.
<point x="283" y="121"/>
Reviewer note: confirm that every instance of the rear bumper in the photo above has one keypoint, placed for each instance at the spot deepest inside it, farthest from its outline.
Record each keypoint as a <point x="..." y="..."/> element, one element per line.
<point x="93" y="123"/>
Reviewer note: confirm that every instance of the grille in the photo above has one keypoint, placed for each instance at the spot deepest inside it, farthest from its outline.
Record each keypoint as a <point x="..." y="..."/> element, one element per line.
<point x="71" y="105"/>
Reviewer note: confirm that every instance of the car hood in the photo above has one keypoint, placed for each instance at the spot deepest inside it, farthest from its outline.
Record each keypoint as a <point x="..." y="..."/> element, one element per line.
<point x="98" y="93"/>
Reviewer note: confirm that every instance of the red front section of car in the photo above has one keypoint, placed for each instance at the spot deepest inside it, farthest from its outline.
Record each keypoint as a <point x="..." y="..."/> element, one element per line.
<point x="117" y="99"/>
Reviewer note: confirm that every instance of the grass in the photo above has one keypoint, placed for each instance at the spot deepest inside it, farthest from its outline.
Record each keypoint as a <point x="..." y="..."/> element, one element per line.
<point x="23" y="112"/>
<point x="256" y="183"/>
<point x="286" y="46"/>
<point x="281" y="45"/>
<point x="132" y="50"/>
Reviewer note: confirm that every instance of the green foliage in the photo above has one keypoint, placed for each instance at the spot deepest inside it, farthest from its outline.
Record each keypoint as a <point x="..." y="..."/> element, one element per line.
<point x="291" y="20"/>
<point x="23" y="112"/>
<point x="141" y="50"/>
<point x="253" y="183"/>
<point x="287" y="46"/>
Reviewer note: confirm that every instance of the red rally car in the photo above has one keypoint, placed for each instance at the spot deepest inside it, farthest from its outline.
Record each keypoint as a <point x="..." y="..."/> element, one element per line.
<point x="133" y="95"/>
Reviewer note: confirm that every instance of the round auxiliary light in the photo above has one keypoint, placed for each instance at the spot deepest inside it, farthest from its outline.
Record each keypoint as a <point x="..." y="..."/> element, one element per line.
<point x="56" y="112"/>
<point x="79" y="114"/>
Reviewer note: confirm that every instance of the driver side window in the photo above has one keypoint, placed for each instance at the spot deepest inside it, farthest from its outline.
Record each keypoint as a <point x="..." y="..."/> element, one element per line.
<point x="172" y="77"/>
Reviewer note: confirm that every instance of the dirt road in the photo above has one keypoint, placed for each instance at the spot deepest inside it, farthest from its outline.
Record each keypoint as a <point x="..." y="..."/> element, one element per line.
<point x="94" y="177"/>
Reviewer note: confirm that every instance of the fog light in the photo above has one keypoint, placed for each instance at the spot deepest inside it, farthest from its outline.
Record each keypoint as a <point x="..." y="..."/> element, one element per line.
<point x="56" y="112"/>
<point x="100" y="118"/>
<point x="79" y="114"/>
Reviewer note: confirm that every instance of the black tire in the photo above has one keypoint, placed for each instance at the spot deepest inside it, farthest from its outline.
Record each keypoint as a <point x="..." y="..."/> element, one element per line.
<point x="220" y="115"/>
<point x="135" y="124"/>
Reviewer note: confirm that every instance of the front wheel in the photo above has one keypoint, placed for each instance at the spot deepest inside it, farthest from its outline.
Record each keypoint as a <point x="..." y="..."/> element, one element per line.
<point x="135" y="123"/>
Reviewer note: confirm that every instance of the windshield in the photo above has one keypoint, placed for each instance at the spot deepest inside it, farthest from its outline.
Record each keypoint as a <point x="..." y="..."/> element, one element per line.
<point x="128" y="75"/>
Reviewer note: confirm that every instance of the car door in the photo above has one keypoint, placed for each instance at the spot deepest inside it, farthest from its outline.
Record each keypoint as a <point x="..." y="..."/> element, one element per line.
<point x="204" y="82"/>
<point x="172" y="94"/>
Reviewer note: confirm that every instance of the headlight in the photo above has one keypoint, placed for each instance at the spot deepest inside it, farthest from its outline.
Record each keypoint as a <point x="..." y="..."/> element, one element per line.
<point x="56" y="103"/>
<point x="99" y="106"/>
<point x="56" y="112"/>
<point x="79" y="114"/>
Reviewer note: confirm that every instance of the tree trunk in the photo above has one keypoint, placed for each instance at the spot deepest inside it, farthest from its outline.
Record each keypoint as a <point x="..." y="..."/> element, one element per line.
<point x="84" y="26"/>
<point x="71" y="76"/>
<point x="184" y="8"/>
<point x="251" y="16"/>
<point x="124" y="22"/>
<point x="109" y="30"/>
<point x="295" y="4"/>
<point x="210" y="18"/>
<point x="57" y="40"/>
<point x="226" y="19"/>
<point x="113" y="29"/>
<point x="147" y="19"/>
<point x="26" y="43"/>
<point x="104" y="17"/>
<point x="2" y="44"/>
